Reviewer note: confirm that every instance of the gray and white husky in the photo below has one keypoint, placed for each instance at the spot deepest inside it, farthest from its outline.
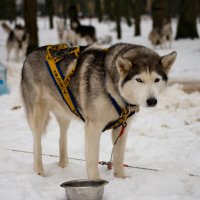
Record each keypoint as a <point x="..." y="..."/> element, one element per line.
<point x="131" y="74"/>
<point x="18" y="39"/>
<point x="162" y="36"/>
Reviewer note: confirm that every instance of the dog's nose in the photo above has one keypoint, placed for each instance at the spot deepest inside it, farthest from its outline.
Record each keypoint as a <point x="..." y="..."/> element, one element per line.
<point x="151" y="102"/>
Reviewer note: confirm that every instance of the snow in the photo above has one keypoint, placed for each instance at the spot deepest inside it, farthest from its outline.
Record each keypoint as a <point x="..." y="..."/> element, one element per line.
<point x="166" y="138"/>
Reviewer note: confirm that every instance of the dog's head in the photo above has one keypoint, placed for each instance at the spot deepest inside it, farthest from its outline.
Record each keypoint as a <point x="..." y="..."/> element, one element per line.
<point x="75" y="24"/>
<point x="143" y="75"/>
<point x="19" y="31"/>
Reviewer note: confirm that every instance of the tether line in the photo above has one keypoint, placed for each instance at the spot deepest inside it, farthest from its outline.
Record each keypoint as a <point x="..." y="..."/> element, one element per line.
<point x="83" y="160"/>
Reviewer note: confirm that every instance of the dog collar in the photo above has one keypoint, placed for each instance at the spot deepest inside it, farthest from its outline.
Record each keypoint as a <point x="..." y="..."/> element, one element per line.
<point x="124" y="114"/>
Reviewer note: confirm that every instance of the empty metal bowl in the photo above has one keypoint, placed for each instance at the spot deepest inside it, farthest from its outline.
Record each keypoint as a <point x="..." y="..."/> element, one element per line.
<point x="84" y="189"/>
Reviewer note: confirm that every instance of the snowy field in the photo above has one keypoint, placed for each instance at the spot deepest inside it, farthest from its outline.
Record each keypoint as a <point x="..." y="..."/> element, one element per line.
<point x="166" y="138"/>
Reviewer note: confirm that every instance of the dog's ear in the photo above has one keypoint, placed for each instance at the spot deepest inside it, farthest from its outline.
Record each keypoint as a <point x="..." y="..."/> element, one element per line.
<point x="123" y="65"/>
<point x="168" y="60"/>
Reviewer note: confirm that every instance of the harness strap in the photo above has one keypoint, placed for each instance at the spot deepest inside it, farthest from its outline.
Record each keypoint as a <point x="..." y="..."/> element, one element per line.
<point x="117" y="107"/>
<point x="61" y="82"/>
<point x="109" y="163"/>
<point x="124" y="114"/>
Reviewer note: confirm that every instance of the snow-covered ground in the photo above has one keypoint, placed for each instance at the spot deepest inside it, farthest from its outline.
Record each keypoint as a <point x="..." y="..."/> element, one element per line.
<point x="166" y="138"/>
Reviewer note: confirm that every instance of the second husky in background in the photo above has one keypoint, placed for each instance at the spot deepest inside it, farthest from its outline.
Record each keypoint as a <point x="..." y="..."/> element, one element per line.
<point x="167" y="33"/>
<point x="162" y="36"/>
<point x="88" y="33"/>
<point x="66" y="35"/>
<point x="17" y="40"/>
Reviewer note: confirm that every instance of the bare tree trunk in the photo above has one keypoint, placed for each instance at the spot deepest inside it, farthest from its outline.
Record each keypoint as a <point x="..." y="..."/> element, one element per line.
<point x="148" y="6"/>
<point x="187" y="24"/>
<point x="98" y="8"/>
<point x="64" y="4"/>
<point x="73" y="12"/>
<point x="30" y="18"/>
<point x="158" y="13"/>
<point x="50" y="12"/>
<point x="7" y="10"/>
<point x="118" y="18"/>
<point x="109" y="9"/>
<point x="137" y="17"/>
<point x="127" y="12"/>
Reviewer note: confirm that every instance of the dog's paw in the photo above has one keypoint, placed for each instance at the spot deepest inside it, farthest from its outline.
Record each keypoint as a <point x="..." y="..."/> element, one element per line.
<point x="63" y="163"/>
<point x="40" y="172"/>
<point x="39" y="169"/>
<point x="120" y="175"/>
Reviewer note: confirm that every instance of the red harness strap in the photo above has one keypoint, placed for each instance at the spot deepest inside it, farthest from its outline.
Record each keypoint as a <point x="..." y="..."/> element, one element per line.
<point x="109" y="164"/>
<point x="121" y="132"/>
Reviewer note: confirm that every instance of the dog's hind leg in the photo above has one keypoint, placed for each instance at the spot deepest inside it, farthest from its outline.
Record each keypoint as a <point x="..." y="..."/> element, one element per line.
<point x="119" y="149"/>
<point x="64" y="125"/>
<point x="170" y="42"/>
<point x="17" y="50"/>
<point x="92" y="139"/>
<point x="38" y="120"/>
<point x="8" y="53"/>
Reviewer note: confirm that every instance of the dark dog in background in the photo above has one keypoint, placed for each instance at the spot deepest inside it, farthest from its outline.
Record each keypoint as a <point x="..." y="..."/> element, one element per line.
<point x="84" y="32"/>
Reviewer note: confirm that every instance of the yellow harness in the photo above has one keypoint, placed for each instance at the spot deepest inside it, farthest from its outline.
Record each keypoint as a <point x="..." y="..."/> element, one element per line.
<point x="62" y="83"/>
<point x="56" y="53"/>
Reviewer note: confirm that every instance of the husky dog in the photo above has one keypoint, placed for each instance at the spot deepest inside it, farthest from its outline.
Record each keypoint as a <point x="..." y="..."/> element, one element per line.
<point x="131" y="74"/>
<point x="105" y="40"/>
<point x="18" y="40"/>
<point x="160" y="36"/>
<point x="85" y="32"/>
<point x="70" y="37"/>
<point x="156" y="38"/>
<point x="66" y="36"/>
<point x="167" y="33"/>
<point x="60" y="30"/>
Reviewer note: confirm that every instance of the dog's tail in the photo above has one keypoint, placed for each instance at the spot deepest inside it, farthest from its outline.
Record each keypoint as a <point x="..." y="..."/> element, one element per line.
<point x="6" y="27"/>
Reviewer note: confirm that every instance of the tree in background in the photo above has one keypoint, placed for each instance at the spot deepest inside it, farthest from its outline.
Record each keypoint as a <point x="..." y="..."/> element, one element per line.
<point x="50" y="11"/>
<point x="108" y="9"/>
<point x="187" y="24"/>
<point x="115" y="10"/>
<point x="136" y="12"/>
<point x="30" y="18"/>
<point x="98" y="8"/>
<point x="7" y="9"/>
<point x="127" y="11"/>
<point x="73" y="12"/>
<point x="117" y="15"/>
<point x="64" y="4"/>
<point x="160" y="12"/>
<point x="148" y="6"/>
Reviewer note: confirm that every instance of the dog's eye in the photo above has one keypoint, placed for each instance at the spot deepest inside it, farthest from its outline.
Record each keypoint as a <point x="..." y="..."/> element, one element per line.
<point x="139" y="80"/>
<point x="157" y="80"/>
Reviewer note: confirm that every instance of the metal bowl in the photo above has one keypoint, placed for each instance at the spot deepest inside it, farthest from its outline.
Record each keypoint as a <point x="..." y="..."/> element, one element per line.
<point x="84" y="189"/>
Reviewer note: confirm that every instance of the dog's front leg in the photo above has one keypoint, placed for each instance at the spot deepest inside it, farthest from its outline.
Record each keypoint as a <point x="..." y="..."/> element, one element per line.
<point x="92" y="139"/>
<point x="38" y="166"/>
<point x="119" y="149"/>
<point x="64" y="125"/>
